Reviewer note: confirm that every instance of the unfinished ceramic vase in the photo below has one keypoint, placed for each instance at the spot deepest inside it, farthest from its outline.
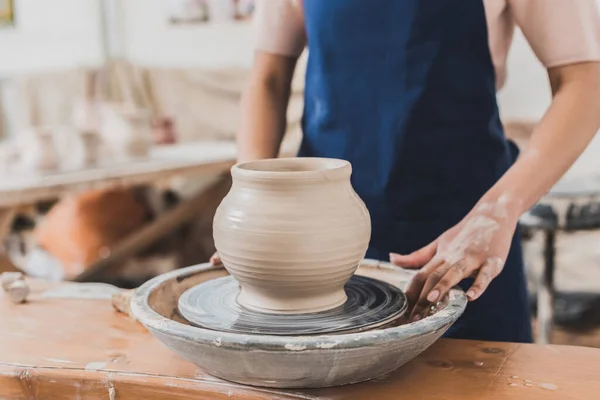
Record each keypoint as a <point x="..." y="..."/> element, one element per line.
<point x="292" y="231"/>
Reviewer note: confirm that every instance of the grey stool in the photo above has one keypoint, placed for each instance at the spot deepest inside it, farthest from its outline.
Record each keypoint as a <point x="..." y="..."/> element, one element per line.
<point x="545" y="217"/>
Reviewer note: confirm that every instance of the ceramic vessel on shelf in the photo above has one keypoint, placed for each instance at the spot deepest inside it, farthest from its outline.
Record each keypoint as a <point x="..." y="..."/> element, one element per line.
<point x="91" y="142"/>
<point x="292" y="231"/>
<point x="86" y="115"/>
<point x="127" y="130"/>
<point x="9" y="156"/>
<point x="78" y="149"/>
<point x="164" y="131"/>
<point x="38" y="151"/>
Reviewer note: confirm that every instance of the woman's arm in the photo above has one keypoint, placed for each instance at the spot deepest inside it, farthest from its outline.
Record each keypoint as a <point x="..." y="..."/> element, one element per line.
<point x="478" y="246"/>
<point x="264" y="107"/>
<point x="563" y="133"/>
<point x="264" y="110"/>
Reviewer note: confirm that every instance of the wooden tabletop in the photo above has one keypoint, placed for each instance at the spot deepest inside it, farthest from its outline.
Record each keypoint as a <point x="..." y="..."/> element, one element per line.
<point x="162" y="163"/>
<point x="72" y="347"/>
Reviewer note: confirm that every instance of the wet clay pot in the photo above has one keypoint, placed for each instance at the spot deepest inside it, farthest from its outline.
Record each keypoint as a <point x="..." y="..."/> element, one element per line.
<point x="292" y="231"/>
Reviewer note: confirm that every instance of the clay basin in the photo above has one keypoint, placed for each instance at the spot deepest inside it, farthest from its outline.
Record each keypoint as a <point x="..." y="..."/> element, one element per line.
<point x="292" y="361"/>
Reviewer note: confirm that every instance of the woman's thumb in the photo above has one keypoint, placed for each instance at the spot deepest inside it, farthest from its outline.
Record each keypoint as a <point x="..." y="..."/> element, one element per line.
<point x="416" y="259"/>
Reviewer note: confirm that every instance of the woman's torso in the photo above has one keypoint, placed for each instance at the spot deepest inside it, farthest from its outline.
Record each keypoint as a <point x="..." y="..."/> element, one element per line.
<point x="405" y="91"/>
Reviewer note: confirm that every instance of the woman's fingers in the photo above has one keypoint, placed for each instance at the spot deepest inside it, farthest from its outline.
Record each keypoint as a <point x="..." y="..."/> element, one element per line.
<point x="215" y="259"/>
<point x="441" y="281"/>
<point x="490" y="269"/>
<point x="415" y="288"/>
<point x="457" y="272"/>
<point x="415" y="259"/>
<point x="421" y="303"/>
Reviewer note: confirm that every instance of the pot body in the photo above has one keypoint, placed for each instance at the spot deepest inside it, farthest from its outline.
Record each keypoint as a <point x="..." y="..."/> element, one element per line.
<point x="292" y="232"/>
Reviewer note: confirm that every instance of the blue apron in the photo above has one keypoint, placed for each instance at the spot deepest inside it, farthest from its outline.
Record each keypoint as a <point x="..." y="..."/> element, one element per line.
<point x="405" y="90"/>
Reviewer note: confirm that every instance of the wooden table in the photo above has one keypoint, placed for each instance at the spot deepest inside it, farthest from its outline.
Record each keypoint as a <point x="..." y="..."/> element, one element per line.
<point x="163" y="162"/>
<point x="70" y="348"/>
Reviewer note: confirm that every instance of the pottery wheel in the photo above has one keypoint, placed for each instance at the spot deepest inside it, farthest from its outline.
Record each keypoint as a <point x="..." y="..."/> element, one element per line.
<point x="371" y="303"/>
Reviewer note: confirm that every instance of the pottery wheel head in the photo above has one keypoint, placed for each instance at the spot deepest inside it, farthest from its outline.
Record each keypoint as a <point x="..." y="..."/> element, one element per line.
<point x="371" y="303"/>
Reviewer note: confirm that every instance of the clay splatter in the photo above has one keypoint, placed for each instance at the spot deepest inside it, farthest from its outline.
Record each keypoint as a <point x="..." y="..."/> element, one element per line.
<point x="441" y="364"/>
<point x="295" y="347"/>
<point x="548" y="386"/>
<point x="327" y="345"/>
<point x="492" y="350"/>
<point x="95" y="366"/>
<point x="58" y="360"/>
<point x="512" y="384"/>
<point x="89" y="291"/>
<point x="117" y="357"/>
<point x="478" y="363"/>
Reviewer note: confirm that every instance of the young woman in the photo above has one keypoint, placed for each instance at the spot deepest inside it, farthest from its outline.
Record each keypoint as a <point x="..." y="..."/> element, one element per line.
<point x="406" y="91"/>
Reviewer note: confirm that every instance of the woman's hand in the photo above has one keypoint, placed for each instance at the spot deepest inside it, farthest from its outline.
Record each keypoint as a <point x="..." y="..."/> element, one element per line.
<point x="477" y="247"/>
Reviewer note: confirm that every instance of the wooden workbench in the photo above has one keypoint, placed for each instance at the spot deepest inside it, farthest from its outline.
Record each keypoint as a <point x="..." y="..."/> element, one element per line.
<point x="163" y="162"/>
<point x="69" y="348"/>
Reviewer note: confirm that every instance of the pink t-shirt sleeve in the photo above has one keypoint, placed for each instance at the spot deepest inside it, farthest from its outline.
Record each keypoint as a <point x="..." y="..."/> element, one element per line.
<point x="560" y="32"/>
<point x="279" y="27"/>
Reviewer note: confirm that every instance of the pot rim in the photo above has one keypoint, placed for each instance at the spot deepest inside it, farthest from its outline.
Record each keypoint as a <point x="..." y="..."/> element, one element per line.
<point x="295" y="169"/>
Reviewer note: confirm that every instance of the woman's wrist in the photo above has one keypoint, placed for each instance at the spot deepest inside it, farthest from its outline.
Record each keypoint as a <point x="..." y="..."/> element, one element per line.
<point x="501" y="207"/>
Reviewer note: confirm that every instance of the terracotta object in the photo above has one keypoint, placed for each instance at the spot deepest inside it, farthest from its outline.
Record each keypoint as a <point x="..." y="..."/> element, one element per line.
<point x="82" y="228"/>
<point x="289" y="361"/>
<point x="292" y="231"/>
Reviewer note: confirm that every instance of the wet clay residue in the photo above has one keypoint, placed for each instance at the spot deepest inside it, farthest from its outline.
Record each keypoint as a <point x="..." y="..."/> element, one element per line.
<point x="441" y="364"/>
<point x="492" y="350"/>
<point x="548" y="386"/>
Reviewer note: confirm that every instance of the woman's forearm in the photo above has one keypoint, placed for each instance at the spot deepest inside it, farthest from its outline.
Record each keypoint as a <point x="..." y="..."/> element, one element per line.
<point x="264" y="108"/>
<point x="559" y="139"/>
